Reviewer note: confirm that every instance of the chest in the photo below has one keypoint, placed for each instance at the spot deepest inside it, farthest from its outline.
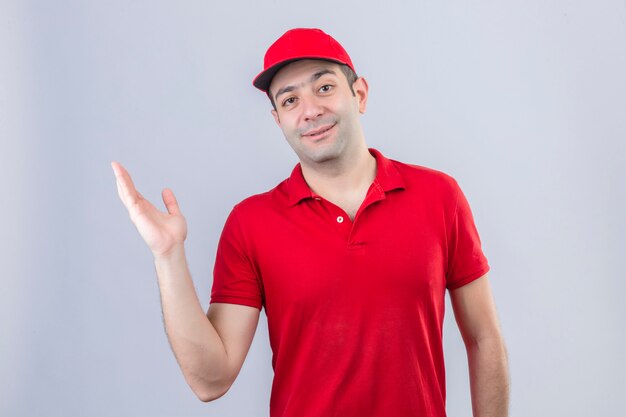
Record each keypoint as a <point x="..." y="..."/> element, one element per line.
<point x="388" y="251"/>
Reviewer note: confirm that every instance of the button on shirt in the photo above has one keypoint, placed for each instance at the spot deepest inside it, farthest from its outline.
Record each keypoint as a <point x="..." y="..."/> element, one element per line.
<point x="354" y="307"/>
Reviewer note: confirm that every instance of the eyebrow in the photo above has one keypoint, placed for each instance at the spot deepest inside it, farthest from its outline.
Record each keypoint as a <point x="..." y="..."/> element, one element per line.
<point x="314" y="77"/>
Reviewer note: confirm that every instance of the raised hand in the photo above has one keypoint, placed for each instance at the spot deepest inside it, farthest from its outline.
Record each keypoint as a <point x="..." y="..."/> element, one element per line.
<point x="161" y="231"/>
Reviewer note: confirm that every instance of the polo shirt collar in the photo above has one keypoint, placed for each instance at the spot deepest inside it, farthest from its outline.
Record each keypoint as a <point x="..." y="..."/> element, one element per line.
<point x="387" y="178"/>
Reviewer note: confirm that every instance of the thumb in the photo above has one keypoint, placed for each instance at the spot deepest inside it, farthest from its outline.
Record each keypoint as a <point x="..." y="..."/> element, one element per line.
<point x="170" y="201"/>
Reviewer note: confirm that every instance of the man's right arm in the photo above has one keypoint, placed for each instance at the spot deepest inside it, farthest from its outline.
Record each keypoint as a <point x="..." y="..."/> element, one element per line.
<point x="209" y="348"/>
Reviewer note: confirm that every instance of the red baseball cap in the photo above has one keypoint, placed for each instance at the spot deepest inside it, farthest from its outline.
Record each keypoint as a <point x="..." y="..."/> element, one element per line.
<point x="295" y="44"/>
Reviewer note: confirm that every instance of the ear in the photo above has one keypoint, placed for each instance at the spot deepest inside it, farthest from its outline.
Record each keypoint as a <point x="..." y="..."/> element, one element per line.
<point x="360" y="88"/>
<point x="276" y="118"/>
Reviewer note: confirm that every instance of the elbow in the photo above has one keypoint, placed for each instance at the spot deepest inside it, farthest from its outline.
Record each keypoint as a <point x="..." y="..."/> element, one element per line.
<point x="488" y="338"/>
<point x="211" y="394"/>
<point x="208" y="396"/>
<point x="208" y="387"/>
<point x="494" y="347"/>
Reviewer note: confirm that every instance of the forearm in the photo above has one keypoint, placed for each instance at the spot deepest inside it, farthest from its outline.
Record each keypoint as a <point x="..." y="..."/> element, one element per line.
<point x="195" y="342"/>
<point x="489" y="378"/>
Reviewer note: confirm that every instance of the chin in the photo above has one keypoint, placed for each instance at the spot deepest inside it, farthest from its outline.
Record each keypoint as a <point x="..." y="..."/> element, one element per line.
<point x="322" y="158"/>
<point x="323" y="154"/>
<point x="320" y="152"/>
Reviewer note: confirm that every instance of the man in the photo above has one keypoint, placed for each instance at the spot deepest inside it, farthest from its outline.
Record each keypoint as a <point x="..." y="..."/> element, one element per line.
<point x="350" y="257"/>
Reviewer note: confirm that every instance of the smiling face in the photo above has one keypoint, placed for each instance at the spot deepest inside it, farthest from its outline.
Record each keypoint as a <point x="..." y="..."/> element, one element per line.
<point x="317" y="111"/>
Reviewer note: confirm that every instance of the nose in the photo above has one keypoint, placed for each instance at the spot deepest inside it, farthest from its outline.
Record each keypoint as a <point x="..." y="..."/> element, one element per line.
<point x="311" y="108"/>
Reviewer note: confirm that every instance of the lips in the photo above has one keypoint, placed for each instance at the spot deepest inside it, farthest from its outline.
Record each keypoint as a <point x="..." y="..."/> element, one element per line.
<point x="319" y="131"/>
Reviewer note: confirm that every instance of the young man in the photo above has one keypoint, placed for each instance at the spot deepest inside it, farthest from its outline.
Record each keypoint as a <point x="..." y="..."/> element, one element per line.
<point x="350" y="257"/>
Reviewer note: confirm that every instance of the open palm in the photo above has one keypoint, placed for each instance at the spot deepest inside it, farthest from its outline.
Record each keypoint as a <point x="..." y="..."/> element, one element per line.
<point x="162" y="231"/>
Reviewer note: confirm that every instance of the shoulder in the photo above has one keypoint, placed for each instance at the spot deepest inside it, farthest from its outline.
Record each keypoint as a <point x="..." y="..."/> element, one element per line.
<point x="259" y="205"/>
<point x="427" y="180"/>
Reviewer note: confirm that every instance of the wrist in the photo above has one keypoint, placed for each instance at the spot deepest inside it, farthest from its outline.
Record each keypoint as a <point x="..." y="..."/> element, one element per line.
<point x="174" y="254"/>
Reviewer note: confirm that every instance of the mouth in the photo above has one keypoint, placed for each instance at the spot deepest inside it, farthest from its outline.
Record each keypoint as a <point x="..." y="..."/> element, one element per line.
<point x="318" y="133"/>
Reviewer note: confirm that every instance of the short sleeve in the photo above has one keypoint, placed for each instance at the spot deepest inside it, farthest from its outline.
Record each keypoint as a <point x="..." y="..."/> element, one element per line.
<point x="466" y="260"/>
<point x="235" y="279"/>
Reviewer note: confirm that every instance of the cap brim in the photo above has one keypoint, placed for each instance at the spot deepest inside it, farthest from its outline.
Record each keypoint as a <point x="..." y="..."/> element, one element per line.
<point x="264" y="79"/>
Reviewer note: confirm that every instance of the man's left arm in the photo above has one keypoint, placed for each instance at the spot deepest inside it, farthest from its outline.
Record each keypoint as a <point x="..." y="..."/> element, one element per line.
<point x="475" y="313"/>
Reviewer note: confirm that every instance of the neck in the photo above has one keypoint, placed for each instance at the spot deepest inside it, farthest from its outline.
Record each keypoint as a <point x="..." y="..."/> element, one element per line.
<point x="348" y="175"/>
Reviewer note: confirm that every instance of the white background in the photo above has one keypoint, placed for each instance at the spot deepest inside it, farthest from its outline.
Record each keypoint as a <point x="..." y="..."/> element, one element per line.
<point x="523" y="102"/>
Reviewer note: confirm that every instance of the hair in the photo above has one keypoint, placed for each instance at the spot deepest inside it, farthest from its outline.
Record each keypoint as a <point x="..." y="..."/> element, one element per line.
<point x="347" y="71"/>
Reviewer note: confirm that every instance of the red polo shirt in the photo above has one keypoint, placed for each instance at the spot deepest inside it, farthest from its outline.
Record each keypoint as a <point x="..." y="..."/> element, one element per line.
<point x="355" y="308"/>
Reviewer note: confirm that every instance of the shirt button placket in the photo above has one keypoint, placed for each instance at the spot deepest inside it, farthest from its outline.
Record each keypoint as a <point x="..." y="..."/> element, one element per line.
<point x="339" y="217"/>
<point x="343" y="224"/>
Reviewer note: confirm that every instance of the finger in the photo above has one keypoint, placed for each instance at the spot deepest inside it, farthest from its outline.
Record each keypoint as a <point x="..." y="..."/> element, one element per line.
<point x="170" y="201"/>
<point x="124" y="194"/>
<point x="121" y="192"/>
<point x="126" y="187"/>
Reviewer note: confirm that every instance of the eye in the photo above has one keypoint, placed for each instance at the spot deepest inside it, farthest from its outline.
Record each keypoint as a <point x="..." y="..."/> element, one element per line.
<point x="289" y="101"/>
<point x="325" y="88"/>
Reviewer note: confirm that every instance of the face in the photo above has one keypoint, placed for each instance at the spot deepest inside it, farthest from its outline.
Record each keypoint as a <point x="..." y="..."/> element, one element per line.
<point x="317" y="111"/>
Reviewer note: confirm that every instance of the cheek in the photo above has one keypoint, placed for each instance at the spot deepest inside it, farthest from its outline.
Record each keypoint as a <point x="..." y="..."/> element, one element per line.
<point x="289" y="124"/>
<point x="346" y="107"/>
<point x="289" y="129"/>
